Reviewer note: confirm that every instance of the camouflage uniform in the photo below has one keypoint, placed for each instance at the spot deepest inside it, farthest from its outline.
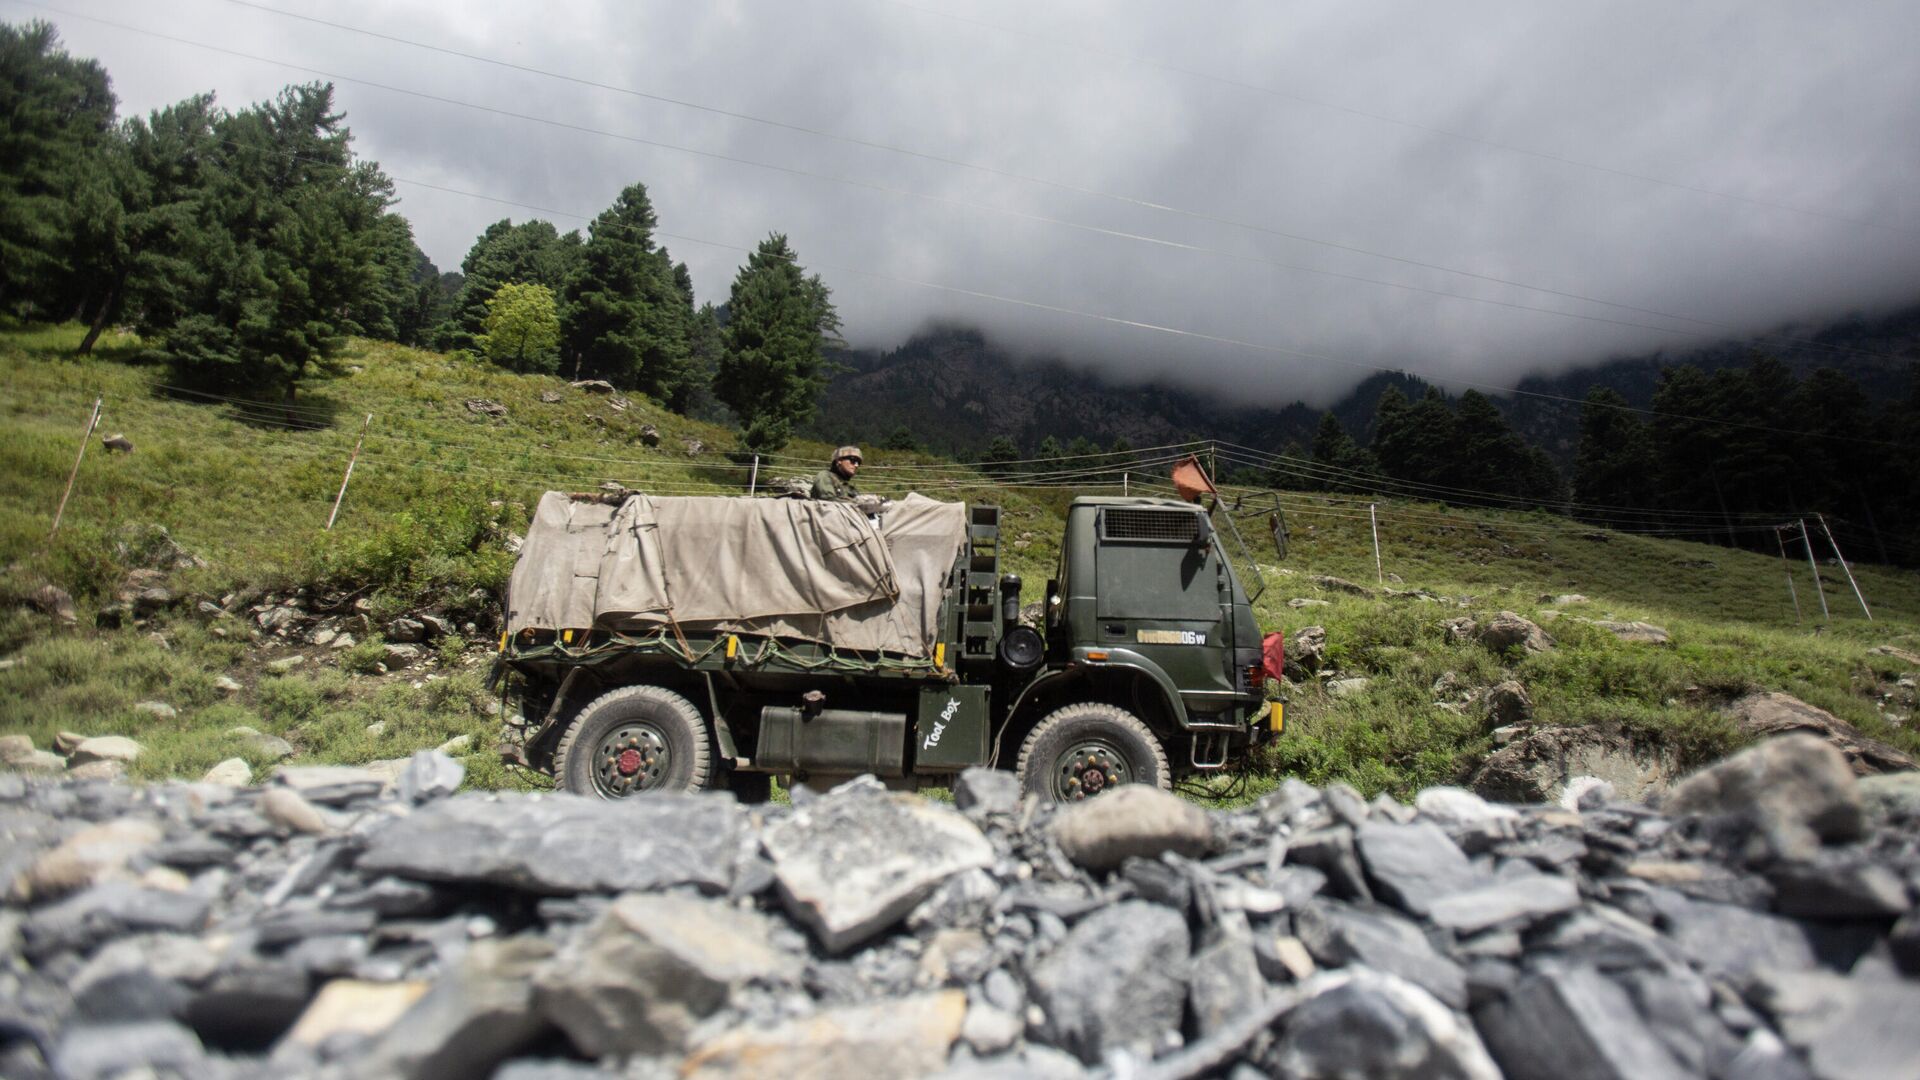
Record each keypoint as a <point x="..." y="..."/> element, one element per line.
<point x="829" y="484"/>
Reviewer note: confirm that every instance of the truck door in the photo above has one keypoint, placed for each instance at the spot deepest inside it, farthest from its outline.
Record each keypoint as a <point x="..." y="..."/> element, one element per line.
<point x="1164" y="592"/>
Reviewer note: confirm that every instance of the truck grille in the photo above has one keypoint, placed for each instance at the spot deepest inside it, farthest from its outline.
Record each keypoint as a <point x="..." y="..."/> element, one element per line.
<point x="1127" y="523"/>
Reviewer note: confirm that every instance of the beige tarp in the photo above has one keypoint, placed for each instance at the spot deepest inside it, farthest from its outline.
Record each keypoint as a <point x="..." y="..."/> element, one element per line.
<point x="784" y="567"/>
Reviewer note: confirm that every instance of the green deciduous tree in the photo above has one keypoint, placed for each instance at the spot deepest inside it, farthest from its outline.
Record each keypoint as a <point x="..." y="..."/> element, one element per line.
<point x="779" y="320"/>
<point x="522" y="331"/>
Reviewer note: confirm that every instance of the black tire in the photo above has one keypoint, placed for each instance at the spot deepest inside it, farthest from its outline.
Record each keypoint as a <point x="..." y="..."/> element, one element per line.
<point x="634" y="739"/>
<point x="1081" y="750"/>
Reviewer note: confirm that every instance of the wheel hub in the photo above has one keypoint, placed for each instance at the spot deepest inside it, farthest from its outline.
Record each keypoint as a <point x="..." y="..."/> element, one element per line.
<point x="633" y="757"/>
<point x="1087" y="770"/>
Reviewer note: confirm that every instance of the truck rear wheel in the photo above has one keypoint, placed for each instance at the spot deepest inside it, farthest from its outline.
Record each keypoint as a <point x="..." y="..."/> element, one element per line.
<point x="634" y="739"/>
<point x="1082" y="750"/>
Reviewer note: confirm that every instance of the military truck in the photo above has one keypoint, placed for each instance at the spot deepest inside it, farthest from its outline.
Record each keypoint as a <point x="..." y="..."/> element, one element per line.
<point x="686" y="643"/>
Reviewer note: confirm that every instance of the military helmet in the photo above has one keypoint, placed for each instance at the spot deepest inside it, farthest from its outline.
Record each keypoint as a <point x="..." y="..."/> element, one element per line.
<point x="846" y="452"/>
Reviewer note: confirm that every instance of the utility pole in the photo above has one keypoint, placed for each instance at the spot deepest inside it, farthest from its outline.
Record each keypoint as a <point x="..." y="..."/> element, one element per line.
<point x="1379" y="574"/>
<point x="1817" y="590"/>
<point x="1788" y="567"/>
<point x="85" y="436"/>
<point x="1848" y="570"/>
<point x="753" y="478"/>
<point x="350" y="463"/>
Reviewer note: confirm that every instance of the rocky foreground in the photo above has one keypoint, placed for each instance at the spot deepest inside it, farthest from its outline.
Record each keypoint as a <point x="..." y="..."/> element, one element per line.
<point x="331" y="924"/>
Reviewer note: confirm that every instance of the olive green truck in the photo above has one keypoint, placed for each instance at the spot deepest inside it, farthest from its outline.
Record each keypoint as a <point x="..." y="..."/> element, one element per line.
<point x="686" y="643"/>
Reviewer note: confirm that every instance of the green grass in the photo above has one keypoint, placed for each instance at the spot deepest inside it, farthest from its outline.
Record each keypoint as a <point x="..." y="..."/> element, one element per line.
<point x="437" y="488"/>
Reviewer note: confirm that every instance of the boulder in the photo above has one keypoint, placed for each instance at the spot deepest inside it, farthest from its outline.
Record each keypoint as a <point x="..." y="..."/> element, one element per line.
<point x="1341" y="585"/>
<point x="1905" y="656"/>
<point x="1412" y="866"/>
<point x="405" y="629"/>
<point x="1779" y="800"/>
<point x="1508" y="703"/>
<point x="94" y="854"/>
<point x="1306" y="652"/>
<point x="233" y="772"/>
<point x="484" y="407"/>
<point x="979" y="792"/>
<point x="1362" y="1023"/>
<point x="98" y="770"/>
<point x="1461" y="630"/>
<point x="649" y="435"/>
<point x="852" y="863"/>
<point x="54" y="601"/>
<point x="104" y="748"/>
<point x="1508" y="631"/>
<point x="1552" y="1017"/>
<point x="1641" y="632"/>
<point x="285" y="664"/>
<point x="1339" y="935"/>
<point x="646" y="972"/>
<point x="550" y="397"/>
<point x="1351" y="687"/>
<point x="470" y="1020"/>
<point x="593" y="386"/>
<point x="1117" y="981"/>
<point x="16" y="749"/>
<point x="1765" y="715"/>
<point x="1131" y="820"/>
<point x="159" y="710"/>
<point x="1535" y="767"/>
<point x="909" y="1036"/>
<point x="1518" y="901"/>
<point x="565" y="844"/>
<point x="285" y="808"/>
<point x="430" y="774"/>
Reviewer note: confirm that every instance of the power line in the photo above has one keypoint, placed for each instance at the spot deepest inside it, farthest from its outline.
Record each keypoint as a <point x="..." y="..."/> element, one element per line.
<point x="1033" y="217"/>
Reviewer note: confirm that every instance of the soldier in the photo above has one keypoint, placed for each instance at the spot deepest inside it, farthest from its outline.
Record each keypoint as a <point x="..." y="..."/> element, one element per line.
<point x="836" y="481"/>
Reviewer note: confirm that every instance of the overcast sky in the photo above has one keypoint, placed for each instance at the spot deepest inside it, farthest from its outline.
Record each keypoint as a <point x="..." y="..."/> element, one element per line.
<point x="1738" y="163"/>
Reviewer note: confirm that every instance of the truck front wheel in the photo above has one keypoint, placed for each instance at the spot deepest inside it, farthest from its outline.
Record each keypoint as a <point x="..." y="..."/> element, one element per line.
<point x="634" y="739"/>
<point x="1082" y="750"/>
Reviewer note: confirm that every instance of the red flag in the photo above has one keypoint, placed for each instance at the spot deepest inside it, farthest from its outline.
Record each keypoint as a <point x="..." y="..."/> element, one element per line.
<point x="1190" y="480"/>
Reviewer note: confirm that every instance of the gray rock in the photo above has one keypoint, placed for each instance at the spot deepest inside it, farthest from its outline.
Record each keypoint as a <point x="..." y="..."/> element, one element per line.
<point x="564" y="844"/>
<point x="1306" y="652"/>
<point x="989" y="1030"/>
<point x="1850" y="1028"/>
<point x="1132" y="820"/>
<point x="1767" y="715"/>
<point x="1339" y="934"/>
<point x="233" y="772"/>
<point x="285" y="808"/>
<point x="1536" y="766"/>
<point x="979" y="792"/>
<point x="399" y="655"/>
<point x="108" y="910"/>
<point x="1572" y="1023"/>
<point x="1452" y="806"/>
<point x="1894" y="796"/>
<point x="909" y="1036"/>
<point x="1118" y="981"/>
<point x="286" y="664"/>
<point x="405" y="629"/>
<point x="1363" y="1023"/>
<point x="852" y="863"/>
<point x="330" y="785"/>
<point x="1508" y="703"/>
<point x="1521" y="901"/>
<point x="159" y="710"/>
<point x="471" y="1020"/>
<point x="1838" y="885"/>
<point x="98" y="770"/>
<point x="1331" y="852"/>
<point x="1641" y="632"/>
<point x="53" y="600"/>
<point x="1734" y="942"/>
<point x="100" y="1051"/>
<point x="641" y="978"/>
<point x="1349" y="687"/>
<point x="1224" y="979"/>
<point x="1778" y="800"/>
<point x="270" y="747"/>
<point x="430" y="774"/>
<point x="1411" y="866"/>
<point x="104" y="748"/>
<point x="1509" y="631"/>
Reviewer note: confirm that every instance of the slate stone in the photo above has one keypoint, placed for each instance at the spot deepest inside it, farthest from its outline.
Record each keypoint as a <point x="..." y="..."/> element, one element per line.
<point x="1411" y="866"/>
<point x="1342" y="934"/>
<point x="1850" y="1028"/>
<point x="129" y="995"/>
<point x="1223" y="979"/>
<point x="1158" y="882"/>
<point x="248" y="1007"/>
<point x="99" y="1051"/>
<point x="108" y="910"/>
<point x="1524" y="900"/>
<point x="909" y="1036"/>
<point x="430" y="774"/>
<point x="1452" y="806"/>
<point x="979" y="792"/>
<point x="289" y="925"/>
<point x="564" y="844"/>
<point x="388" y="897"/>
<point x="330" y="785"/>
<point x="1363" y="1023"/>
<point x="852" y="863"/>
<point x="1572" y="1024"/>
<point x="1847" y="886"/>
<point x="1132" y="820"/>
<point x="1331" y="851"/>
<point x="1734" y="942"/>
<point x="651" y="968"/>
<point x="1118" y="981"/>
<point x="471" y="1020"/>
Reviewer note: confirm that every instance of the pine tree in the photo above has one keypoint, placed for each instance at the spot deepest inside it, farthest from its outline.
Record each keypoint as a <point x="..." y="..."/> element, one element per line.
<point x="1343" y="465"/>
<point x="628" y="311"/>
<point x="533" y="253"/>
<point x="779" y="320"/>
<point x="56" y="118"/>
<point x="1000" y="456"/>
<point x="1392" y="442"/>
<point x="1613" y="466"/>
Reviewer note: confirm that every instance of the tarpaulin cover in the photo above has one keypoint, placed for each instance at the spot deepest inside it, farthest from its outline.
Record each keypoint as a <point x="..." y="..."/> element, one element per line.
<point x="821" y="571"/>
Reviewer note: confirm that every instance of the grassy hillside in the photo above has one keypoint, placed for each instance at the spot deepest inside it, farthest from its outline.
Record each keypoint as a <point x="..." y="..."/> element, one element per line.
<point x="439" y="488"/>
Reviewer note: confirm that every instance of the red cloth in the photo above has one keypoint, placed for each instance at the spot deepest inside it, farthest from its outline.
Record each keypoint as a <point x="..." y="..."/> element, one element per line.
<point x="1273" y="654"/>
